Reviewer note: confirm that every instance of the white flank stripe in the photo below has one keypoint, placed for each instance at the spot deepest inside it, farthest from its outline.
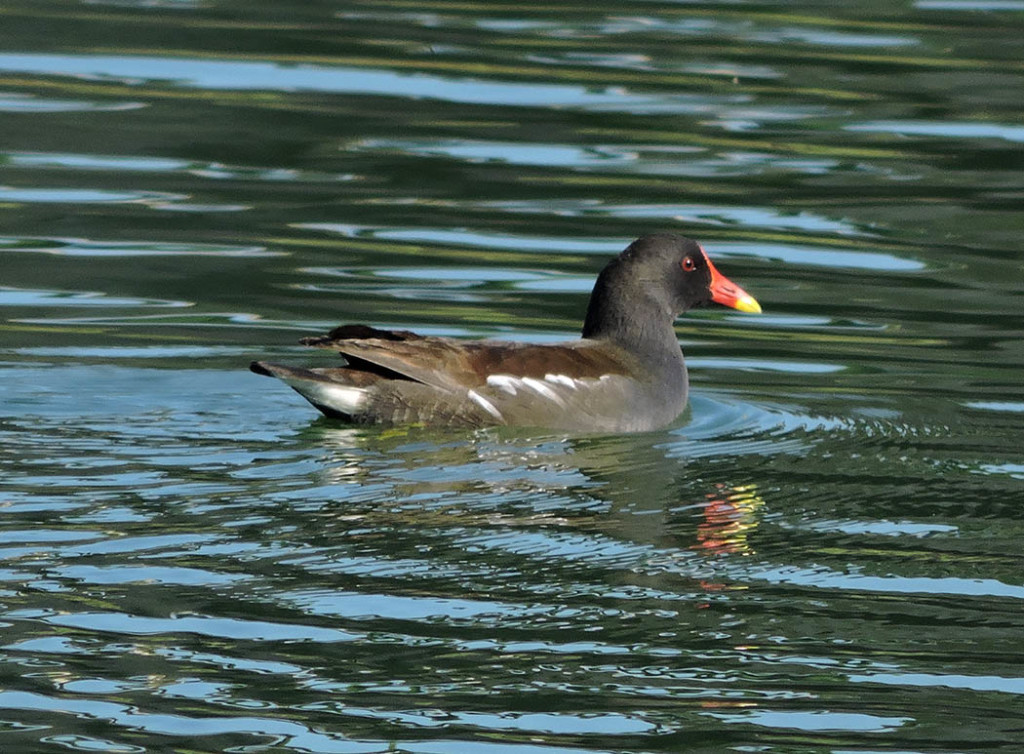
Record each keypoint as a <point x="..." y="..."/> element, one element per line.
<point x="504" y="382"/>
<point x="561" y="379"/>
<point x="543" y="389"/>
<point x="486" y="405"/>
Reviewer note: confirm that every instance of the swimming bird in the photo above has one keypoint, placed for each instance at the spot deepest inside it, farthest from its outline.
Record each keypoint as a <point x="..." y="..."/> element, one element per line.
<point x="624" y="374"/>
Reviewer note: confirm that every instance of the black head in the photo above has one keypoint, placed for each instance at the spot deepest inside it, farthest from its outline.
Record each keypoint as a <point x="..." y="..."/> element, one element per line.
<point x="657" y="278"/>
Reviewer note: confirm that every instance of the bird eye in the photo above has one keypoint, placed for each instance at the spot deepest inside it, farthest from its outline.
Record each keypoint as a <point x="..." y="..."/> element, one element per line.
<point x="688" y="264"/>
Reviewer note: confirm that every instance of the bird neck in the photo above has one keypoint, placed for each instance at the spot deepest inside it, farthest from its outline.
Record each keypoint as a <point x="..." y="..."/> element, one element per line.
<point x="638" y="323"/>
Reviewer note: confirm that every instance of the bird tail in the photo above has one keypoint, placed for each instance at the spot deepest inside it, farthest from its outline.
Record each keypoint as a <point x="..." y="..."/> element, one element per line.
<point x="334" y="391"/>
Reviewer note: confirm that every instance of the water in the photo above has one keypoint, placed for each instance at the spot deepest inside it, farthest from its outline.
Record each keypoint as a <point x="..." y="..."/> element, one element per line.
<point x="822" y="555"/>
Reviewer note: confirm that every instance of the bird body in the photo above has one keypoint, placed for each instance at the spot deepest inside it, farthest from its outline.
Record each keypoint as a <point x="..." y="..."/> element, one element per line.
<point x="625" y="374"/>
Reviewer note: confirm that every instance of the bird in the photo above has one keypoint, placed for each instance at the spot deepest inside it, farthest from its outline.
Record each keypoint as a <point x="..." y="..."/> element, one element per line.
<point x="625" y="373"/>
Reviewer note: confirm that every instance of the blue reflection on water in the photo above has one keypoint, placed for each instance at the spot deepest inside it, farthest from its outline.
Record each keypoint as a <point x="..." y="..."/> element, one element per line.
<point x="236" y="75"/>
<point x="948" y="129"/>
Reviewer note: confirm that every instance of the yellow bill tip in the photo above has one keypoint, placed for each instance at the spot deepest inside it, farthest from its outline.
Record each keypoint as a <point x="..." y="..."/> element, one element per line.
<point x="747" y="303"/>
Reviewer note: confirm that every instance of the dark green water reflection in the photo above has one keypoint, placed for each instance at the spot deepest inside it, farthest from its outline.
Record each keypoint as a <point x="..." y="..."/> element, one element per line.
<point x="823" y="555"/>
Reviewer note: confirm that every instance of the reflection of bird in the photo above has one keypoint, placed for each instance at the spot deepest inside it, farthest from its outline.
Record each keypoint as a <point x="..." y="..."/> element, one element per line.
<point x="625" y="374"/>
<point x="729" y="518"/>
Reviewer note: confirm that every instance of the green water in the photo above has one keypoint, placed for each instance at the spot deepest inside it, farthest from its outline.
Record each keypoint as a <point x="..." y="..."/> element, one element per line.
<point x="822" y="556"/>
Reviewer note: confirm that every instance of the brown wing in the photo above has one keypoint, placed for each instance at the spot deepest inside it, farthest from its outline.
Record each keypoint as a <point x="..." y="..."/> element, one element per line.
<point x="451" y="364"/>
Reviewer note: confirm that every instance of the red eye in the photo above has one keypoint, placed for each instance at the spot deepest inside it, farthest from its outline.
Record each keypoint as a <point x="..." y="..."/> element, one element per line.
<point x="688" y="264"/>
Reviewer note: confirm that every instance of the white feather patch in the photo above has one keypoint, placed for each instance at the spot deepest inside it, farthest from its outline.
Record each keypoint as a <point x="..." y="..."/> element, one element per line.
<point x="543" y="389"/>
<point x="343" y="398"/>
<point x="485" y="404"/>
<point x="505" y="382"/>
<point x="561" y="379"/>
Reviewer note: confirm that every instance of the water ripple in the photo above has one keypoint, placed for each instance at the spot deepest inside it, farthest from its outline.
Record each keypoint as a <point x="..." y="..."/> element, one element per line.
<point x="11" y="102"/>
<point x="21" y="297"/>
<point x="83" y="247"/>
<point x="240" y="75"/>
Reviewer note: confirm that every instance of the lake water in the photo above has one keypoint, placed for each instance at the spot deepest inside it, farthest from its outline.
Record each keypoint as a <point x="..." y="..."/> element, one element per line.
<point x="823" y="555"/>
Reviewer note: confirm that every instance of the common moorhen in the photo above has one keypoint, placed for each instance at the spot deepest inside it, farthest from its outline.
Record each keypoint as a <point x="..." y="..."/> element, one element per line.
<point x="625" y="374"/>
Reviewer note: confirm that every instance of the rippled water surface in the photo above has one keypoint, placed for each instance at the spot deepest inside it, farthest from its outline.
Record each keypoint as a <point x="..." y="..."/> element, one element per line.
<point x="822" y="555"/>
